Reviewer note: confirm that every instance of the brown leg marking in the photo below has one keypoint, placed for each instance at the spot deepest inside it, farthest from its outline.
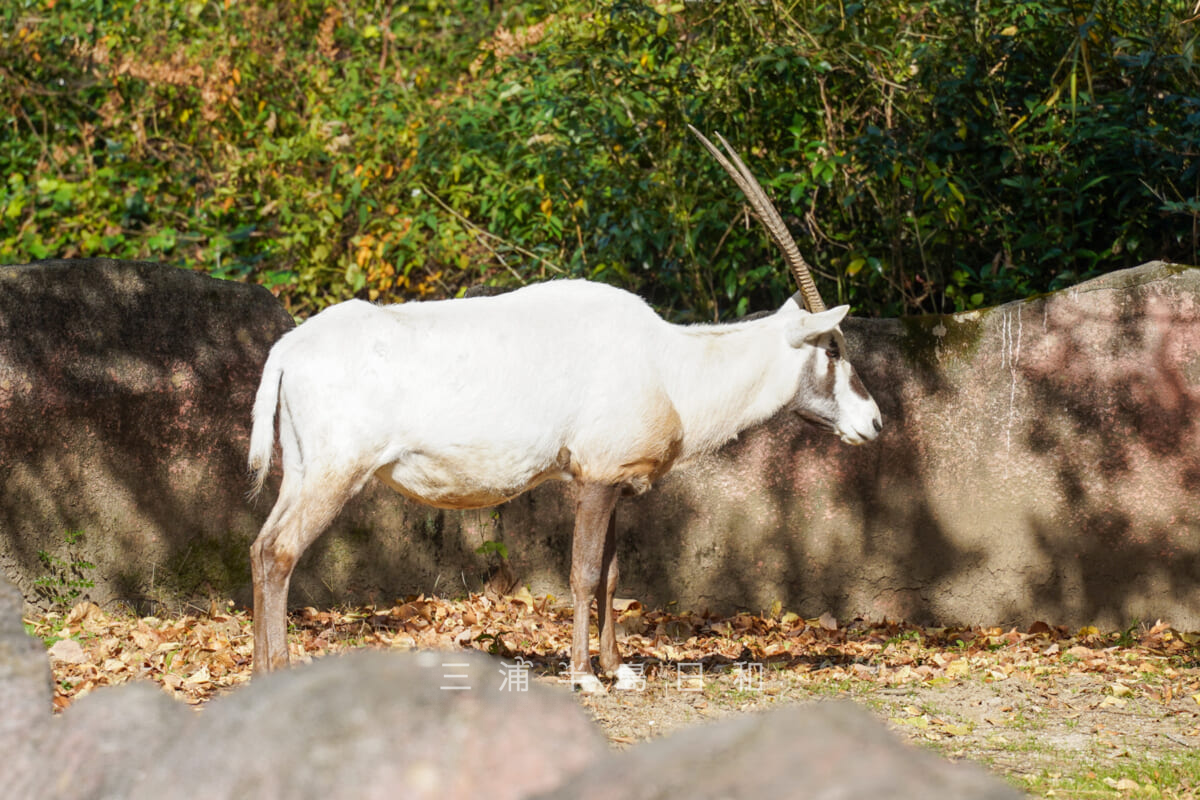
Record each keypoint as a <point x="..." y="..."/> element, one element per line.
<point x="610" y="654"/>
<point x="590" y="559"/>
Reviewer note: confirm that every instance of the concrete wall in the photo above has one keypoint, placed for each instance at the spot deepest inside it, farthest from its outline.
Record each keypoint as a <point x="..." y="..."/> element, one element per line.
<point x="124" y="389"/>
<point x="1039" y="461"/>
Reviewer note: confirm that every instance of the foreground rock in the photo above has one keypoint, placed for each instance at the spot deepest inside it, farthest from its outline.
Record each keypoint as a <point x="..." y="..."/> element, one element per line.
<point x="819" y="751"/>
<point x="381" y="725"/>
<point x="26" y="683"/>
<point x="424" y="725"/>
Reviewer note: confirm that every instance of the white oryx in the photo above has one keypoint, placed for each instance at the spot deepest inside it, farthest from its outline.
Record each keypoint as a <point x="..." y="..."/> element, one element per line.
<point x="468" y="403"/>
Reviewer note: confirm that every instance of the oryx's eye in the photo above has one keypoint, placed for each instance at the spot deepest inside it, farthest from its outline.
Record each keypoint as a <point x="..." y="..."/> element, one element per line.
<point x="833" y="352"/>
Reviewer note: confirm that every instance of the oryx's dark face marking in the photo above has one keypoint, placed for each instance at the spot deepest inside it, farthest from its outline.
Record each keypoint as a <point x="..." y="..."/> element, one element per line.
<point x="857" y="387"/>
<point x="831" y="396"/>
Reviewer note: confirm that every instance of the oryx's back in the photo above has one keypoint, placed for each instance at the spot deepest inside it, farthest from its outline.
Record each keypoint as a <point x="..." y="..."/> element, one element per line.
<point x="469" y="402"/>
<point x="464" y="363"/>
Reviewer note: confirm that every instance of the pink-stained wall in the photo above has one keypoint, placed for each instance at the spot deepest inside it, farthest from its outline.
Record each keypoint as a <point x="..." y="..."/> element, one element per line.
<point x="1040" y="460"/>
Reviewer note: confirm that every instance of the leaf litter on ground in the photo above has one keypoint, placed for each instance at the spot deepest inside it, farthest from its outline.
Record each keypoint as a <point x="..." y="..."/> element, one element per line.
<point x="972" y="692"/>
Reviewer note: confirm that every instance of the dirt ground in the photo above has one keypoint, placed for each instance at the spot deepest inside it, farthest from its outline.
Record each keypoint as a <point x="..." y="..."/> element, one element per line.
<point x="1058" y="713"/>
<point x="1037" y="731"/>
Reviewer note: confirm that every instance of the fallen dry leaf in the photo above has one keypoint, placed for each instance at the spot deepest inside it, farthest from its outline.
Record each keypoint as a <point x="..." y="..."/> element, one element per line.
<point x="1119" y="689"/>
<point x="68" y="651"/>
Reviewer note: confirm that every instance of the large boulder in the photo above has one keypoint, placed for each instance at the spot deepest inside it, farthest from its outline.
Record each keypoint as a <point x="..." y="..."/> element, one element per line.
<point x="125" y="394"/>
<point x="818" y="751"/>
<point x="365" y="725"/>
<point x="380" y="725"/>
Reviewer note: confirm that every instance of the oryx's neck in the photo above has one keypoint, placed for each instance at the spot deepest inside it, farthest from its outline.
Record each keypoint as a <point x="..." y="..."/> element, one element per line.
<point x="724" y="379"/>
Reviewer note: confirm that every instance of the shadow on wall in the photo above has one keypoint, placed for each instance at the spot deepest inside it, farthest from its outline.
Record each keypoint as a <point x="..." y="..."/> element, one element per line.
<point x="125" y="391"/>
<point x="1039" y="461"/>
<point x="1115" y="427"/>
<point x="789" y="514"/>
<point x="125" y="398"/>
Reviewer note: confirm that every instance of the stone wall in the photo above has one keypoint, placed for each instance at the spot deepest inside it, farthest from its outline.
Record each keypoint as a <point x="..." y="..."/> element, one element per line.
<point x="125" y="391"/>
<point x="1039" y="461"/>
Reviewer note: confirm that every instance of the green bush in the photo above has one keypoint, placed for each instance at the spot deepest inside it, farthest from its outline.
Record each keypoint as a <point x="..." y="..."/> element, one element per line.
<point x="927" y="156"/>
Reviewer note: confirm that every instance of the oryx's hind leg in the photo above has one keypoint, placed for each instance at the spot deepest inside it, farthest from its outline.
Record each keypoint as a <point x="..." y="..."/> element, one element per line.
<point x="610" y="655"/>
<point x="302" y="513"/>
<point x="591" y="560"/>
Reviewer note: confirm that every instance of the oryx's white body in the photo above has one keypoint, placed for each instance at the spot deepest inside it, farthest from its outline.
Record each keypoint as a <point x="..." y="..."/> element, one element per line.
<point x="467" y="403"/>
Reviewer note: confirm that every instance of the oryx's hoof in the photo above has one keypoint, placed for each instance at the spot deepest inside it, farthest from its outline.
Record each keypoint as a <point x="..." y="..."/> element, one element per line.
<point x="588" y="684"/>
<point x="629" y="679"/>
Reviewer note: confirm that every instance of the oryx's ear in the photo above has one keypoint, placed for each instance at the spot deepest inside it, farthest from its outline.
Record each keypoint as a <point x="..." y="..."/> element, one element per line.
<point x="803" y="328"/>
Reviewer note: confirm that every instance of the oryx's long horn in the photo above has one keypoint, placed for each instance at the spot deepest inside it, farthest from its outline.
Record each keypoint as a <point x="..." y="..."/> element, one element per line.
<point x="764" y="209"/>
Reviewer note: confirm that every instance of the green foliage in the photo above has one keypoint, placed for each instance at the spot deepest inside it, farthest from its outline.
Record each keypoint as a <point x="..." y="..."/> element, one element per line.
<point x="65" y="579"/>
<point x="493" y="548"/>
<point x="927" y="156"/>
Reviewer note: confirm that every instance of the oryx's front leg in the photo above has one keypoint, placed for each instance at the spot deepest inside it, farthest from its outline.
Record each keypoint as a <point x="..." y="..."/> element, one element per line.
<point x="593" y="575"/>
